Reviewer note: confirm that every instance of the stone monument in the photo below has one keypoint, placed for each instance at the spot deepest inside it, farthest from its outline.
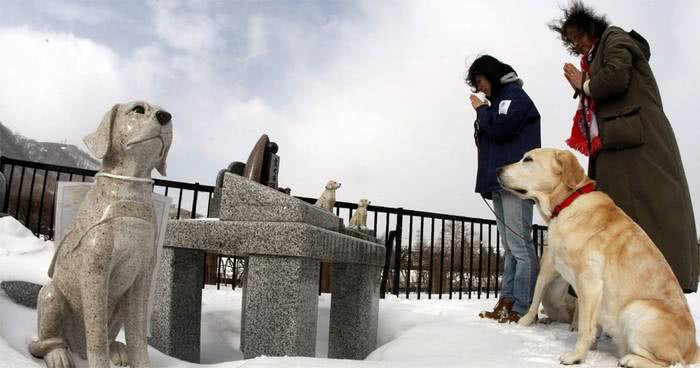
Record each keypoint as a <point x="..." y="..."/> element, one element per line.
<point x="262" y="167"/>
<point x="103" y="267"/>
<point x="284" y="241"/>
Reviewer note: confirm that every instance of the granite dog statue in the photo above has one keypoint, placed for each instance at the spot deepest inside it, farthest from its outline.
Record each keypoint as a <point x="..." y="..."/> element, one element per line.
<point x="102" y="269"/>
<point x="327" y="198"/>
<point x="359" y="218"/>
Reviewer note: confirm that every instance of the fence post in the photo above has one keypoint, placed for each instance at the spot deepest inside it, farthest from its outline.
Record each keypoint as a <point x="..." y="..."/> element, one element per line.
<point x="397" y="251"/>
<point x="194" y="201"/>
<point x="3" y="188"/>
<point x="387" y="262"/>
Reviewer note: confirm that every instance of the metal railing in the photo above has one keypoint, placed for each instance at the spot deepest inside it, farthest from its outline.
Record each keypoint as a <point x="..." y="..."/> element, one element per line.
<point x="428" y="254"/>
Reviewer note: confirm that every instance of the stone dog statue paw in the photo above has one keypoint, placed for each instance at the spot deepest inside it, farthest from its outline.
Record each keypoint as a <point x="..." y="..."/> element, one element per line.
<point x="327" y="198"/>
<point x="102" y="269"/>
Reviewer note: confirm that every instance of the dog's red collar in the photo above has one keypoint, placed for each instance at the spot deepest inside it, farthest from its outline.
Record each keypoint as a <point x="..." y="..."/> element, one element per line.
<point x="590" y="187"/>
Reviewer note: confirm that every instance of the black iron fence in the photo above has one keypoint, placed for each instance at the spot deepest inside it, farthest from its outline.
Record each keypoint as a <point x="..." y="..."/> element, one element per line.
<point x="428" y="254"/>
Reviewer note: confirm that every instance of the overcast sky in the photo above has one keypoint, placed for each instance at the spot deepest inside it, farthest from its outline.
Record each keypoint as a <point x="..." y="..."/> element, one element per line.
<point x="369" y="93"/>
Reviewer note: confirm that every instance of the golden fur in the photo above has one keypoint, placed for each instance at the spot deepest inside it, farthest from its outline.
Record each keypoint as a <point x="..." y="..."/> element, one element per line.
<point x="623" y="282"/>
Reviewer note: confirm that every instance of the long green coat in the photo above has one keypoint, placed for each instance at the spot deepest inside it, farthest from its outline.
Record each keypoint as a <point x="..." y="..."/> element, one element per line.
<point x="640" y="165"/>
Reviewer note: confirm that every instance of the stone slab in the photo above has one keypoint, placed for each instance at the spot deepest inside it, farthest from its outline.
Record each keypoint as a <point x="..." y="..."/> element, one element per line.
<point x="22" y="292"/>
<point x="291" y="239"/>
<point x="245" y="200"/>
<point x="367" y="234"/>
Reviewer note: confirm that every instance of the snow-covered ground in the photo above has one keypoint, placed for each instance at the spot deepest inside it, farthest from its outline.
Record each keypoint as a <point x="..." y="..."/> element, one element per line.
<point x="412" y="333"/>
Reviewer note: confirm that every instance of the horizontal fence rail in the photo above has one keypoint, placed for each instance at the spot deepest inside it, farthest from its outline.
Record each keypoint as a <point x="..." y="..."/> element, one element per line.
<point x="429" y="255"/>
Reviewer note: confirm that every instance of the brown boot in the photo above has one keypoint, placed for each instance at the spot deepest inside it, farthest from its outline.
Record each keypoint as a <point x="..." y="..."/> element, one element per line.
<point x="511" y="317"/>
<point x="501" y="309"/>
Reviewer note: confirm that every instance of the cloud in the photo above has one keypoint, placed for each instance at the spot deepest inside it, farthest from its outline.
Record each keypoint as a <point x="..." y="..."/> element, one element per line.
<point x="369" y="93"/>
<point x="71" y="13"/>
<point x="257" y="45"/>
<point x="186" y="26"/>
<point x="55" y="85"/>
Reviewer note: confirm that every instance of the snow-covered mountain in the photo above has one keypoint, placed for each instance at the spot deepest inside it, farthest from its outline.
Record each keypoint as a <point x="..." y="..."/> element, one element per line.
<point x="14" y="145"/>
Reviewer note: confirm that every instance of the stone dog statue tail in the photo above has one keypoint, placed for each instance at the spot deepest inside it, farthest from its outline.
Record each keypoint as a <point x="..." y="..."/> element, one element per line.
<point x="327" y="198"/>
<point x="103" y="268"/>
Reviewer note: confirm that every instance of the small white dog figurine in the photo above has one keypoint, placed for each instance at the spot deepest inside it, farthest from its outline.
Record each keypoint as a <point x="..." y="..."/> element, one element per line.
<point x="359" y="218"/>
<point x="102" y="269"/>
<point x="327" y="198"/>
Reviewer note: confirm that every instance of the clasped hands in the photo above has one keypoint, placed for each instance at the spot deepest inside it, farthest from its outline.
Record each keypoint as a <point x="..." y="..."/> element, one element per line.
<point x="574" y="76"/>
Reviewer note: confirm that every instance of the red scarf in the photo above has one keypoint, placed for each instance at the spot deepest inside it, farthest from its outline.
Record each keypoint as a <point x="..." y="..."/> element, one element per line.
<point x="586" y="108"/>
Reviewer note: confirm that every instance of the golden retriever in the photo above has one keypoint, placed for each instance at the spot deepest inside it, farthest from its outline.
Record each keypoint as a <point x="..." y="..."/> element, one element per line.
<point x="624" y="284"/>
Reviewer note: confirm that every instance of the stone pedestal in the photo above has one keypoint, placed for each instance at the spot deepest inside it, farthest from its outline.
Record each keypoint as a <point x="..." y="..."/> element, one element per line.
<point x="280" y="306"/>
<point x="177" y="308"/>
<point x="354" y="310"/>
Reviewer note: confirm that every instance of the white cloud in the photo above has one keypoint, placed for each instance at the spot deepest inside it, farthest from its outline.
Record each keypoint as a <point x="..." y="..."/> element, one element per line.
<point x="69" y="12"/>
<point x="377" y="98"/>
<point x="186" y="26"/>
<point x="257" y="42"/>
<point x="55" y="86"/>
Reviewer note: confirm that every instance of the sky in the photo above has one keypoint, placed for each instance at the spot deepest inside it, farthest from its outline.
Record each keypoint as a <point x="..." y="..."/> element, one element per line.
<point x="368" y="93"/>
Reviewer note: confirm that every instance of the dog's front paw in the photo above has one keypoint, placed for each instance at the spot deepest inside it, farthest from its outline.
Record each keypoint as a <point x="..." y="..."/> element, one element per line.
<point x="117" y="354"/>
<point x="527" y="319"/>
<point x="59" y="358"/>
<point x="570" y="358"/>
<point x="633" y="361"/>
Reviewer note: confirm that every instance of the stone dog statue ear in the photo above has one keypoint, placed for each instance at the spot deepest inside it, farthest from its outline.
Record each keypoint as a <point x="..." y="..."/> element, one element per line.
<point x="99" y="142"/>
<point x="164" y="156"/>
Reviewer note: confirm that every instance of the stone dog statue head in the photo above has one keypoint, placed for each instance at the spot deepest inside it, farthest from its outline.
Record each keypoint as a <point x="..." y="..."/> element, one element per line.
<point x="132" y="139"/>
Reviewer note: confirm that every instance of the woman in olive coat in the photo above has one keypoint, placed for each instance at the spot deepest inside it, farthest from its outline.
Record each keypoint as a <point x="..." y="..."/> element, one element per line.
<point x="639" y="164"/>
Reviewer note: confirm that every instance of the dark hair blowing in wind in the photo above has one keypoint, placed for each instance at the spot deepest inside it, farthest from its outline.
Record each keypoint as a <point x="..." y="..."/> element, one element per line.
<point x="491" y="68"/>
<point x="583" y="19"/>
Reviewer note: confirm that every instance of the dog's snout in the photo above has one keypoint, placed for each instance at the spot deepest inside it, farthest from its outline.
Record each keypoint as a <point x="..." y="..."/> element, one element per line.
<point x="163" y="117"/>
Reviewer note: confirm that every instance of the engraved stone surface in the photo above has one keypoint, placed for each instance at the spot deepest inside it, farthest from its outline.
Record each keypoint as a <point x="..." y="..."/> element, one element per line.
<point x="245" y="200"/>
<point x="271" y="168"/>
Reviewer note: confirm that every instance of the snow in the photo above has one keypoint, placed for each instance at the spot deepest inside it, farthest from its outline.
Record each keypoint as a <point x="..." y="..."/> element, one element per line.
<point x="412" y="333"/>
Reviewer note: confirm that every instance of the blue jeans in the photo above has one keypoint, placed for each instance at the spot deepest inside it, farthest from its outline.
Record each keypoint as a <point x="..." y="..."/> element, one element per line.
<point x="520" y="265"/>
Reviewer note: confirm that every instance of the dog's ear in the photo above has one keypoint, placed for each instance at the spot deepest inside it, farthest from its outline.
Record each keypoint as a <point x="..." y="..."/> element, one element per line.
<point x="99" y="142"/>
<point x="571" y="171"/>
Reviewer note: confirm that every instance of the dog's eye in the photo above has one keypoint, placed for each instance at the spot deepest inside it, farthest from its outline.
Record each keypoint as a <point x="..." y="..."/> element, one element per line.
<point x="527" y="159"/>
<point x="139" y="109"/>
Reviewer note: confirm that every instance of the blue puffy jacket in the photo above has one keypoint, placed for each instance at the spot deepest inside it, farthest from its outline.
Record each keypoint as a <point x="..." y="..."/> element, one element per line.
<point x="507" y="129"/>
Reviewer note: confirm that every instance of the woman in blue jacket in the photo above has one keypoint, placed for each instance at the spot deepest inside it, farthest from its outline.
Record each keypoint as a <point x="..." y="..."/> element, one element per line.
<point x="507" y="125"/>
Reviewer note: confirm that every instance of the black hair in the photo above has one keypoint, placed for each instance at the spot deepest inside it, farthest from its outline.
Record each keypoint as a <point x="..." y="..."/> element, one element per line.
<point x="583" y="18"/>
<point x="490" y="68"/>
